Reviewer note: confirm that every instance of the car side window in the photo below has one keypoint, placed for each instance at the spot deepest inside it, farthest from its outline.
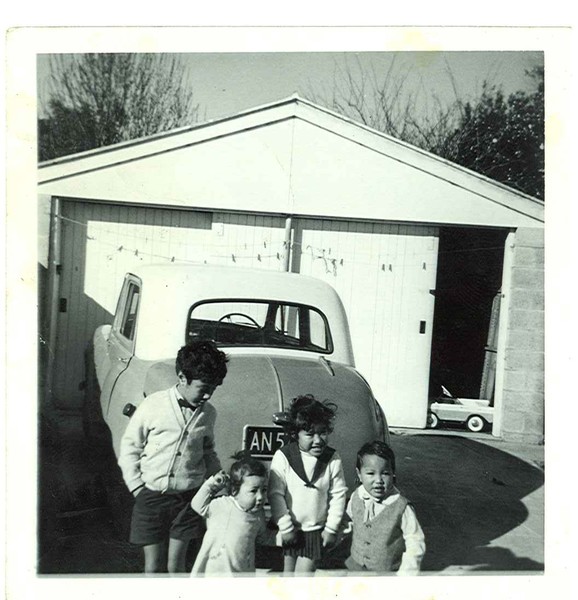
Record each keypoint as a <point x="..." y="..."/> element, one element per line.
<point x="317" y="330"/>
<point x="127" y="326"/>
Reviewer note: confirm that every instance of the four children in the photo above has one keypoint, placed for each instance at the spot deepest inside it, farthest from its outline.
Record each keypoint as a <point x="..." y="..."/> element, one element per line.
<point x="169" y="464"/>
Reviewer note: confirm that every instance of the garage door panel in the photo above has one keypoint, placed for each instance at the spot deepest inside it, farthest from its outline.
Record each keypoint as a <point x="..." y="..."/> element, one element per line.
<point x="383" y="273"/>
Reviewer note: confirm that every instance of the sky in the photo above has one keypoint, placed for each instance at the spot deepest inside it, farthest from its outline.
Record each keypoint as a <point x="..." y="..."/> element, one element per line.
<point x="224" y="84"/>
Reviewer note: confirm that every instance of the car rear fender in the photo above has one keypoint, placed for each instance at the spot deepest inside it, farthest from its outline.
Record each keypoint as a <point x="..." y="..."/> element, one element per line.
<point x="160" y="376"/>
<point x="381" y="420"/>
<point x="102" y="362"/>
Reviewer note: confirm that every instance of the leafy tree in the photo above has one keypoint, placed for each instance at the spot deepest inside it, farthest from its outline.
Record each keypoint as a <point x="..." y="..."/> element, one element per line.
<point x="101" y="99"/>
<point x="503" y="138"/>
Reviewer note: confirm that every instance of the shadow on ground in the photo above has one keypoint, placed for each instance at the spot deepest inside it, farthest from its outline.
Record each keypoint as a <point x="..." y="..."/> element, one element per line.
<point x="84" y="508"/>
<point x="466" y="495"/>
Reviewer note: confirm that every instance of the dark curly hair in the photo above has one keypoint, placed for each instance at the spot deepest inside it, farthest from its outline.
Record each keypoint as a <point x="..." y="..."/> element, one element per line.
<point x="378" y="448"/>
<point x="306" y="414"/>
<point x="202" y="360"/>
<point x="244" y="466"/>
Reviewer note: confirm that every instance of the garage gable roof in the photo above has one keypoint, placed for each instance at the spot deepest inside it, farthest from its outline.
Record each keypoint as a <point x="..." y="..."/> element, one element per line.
<point x="290" y="157"/>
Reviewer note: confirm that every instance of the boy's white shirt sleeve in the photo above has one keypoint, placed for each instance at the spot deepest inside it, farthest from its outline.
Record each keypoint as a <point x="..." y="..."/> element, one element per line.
<point x="277" y="490"/>
<point x="337" y="496"/>
<point x="131" y="448"/>
<point x="414" y="543"/>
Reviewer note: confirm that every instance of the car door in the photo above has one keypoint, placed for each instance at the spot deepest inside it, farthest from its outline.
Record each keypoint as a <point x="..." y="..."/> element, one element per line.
<point x="121" y="341"/>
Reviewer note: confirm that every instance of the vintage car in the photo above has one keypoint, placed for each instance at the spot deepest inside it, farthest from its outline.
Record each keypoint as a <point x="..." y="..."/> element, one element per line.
<point x="476" y="414"/>
<point x="285" y="335"/>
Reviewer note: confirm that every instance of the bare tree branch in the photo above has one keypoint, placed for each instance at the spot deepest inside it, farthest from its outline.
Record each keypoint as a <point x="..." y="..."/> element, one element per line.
<point x="497" y="136"/>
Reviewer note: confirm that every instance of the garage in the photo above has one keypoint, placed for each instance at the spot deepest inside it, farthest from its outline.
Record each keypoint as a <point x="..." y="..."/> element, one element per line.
<point x="292" y="186"/>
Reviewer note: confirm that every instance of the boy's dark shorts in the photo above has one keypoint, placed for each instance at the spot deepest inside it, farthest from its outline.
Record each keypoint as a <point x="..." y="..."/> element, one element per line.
<point x="157" y="516"/>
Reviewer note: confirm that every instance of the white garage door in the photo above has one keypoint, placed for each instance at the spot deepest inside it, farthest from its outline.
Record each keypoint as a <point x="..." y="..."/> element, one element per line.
<point x="102" y="241"/>
<point x="384" y="274"/>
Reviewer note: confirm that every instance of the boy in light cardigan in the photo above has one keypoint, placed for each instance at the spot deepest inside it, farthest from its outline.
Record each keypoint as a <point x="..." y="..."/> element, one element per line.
<point x="166" y="453"/>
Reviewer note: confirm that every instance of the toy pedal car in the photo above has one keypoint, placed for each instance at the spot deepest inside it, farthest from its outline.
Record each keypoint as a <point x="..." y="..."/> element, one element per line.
<point x="476" y="414"/>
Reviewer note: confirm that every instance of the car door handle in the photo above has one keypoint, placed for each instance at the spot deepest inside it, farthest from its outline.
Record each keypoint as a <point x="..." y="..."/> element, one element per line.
<point x="122" y="359"/>
<point x="128" y="410"/>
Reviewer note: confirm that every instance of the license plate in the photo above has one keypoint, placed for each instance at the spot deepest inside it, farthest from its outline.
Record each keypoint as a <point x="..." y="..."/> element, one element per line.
<point x="262" y="442"/>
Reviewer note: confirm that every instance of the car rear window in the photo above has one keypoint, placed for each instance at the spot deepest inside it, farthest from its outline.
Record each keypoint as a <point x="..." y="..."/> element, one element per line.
<point x="260" y="323"/>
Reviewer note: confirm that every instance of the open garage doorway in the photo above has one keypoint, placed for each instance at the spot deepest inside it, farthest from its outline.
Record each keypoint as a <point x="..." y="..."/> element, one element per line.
<point x="467" y="301"/>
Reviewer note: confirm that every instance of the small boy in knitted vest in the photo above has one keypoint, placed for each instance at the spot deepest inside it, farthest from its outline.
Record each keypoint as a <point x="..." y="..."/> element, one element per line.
<point x="386" y="534"/>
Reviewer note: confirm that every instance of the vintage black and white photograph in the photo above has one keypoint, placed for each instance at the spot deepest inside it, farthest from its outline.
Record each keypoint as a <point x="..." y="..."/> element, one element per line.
<point x="290" y="309"/>
<point x="366" y="249"/>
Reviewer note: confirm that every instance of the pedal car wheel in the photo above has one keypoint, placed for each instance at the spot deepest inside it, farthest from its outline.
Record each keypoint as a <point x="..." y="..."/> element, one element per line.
<point x="432" y="420"/>
<point x="475" y="423"/>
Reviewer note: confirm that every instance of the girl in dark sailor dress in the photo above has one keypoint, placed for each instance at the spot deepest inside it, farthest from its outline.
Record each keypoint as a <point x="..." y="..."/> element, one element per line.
<point x="307" y="488"/>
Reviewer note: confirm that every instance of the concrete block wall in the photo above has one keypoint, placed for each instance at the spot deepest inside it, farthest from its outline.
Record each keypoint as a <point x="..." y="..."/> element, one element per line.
<point x="523" y="391"/>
